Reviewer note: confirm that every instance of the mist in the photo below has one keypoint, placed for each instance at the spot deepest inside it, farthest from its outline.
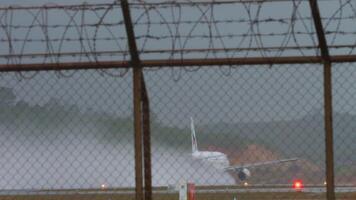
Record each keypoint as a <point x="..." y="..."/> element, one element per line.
<point x="87" y="150"/>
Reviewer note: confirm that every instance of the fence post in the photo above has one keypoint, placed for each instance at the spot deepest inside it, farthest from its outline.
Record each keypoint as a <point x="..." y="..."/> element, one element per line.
<point x="330" y="186"/>
<point x="146" y="141"/>
<point x="141" y="114"/>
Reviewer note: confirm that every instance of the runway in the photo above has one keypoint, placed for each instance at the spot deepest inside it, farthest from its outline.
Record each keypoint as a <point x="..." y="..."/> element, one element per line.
<point x="202" y="192"/>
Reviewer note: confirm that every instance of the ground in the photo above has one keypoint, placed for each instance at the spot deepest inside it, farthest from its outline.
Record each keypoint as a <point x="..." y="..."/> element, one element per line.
<point x="174" y="196"/>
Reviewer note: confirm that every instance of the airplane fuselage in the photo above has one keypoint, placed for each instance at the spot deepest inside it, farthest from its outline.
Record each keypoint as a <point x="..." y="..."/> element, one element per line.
<point x="210" y="156"/>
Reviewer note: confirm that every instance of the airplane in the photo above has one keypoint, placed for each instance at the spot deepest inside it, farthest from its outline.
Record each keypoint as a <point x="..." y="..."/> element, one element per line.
<point x="220" y="159"/>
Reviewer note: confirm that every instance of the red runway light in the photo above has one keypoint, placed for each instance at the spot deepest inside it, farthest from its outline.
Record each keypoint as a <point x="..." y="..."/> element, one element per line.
<point x="298" y="185"/>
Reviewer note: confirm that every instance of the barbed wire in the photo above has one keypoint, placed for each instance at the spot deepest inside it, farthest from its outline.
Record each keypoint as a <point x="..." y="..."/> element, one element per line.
<point x="171" y="30"/>
<point x="278" y="111"/>
<point x="223" y="21"/>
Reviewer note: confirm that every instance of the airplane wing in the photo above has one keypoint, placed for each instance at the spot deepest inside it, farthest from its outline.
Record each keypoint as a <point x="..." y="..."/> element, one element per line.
<point x="258" y="164"/>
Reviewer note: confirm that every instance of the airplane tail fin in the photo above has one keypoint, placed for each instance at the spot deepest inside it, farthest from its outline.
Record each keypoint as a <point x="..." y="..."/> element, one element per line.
<point x="194" y="139"/>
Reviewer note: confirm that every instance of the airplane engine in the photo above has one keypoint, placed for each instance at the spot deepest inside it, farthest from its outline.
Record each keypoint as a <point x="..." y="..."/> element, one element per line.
<point x="243" y="174"/>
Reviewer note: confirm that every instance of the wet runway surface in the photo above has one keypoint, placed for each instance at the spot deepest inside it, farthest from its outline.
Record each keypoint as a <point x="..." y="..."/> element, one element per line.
<point x="166" y="193"/>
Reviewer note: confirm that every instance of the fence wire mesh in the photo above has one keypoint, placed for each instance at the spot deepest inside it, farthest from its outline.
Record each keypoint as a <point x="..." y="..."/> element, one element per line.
<point x="252" y="114"/>
<point x="71" y="132"/>
<point x="344" y="139"/>
<point x="235" y="131"/>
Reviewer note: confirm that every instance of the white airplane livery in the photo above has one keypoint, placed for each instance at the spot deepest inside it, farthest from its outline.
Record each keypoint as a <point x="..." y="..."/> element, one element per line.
<point x="210" y="156"/>
<point x="220" y="160"/>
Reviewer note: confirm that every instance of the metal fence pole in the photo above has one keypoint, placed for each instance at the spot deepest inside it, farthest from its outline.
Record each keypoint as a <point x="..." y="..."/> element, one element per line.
<point x="146" y="141"/>
<point x="137" y="91"/>
<point x="137" y="88"/>
<point x="174" y="63"/>
<point x="330" y="186"/>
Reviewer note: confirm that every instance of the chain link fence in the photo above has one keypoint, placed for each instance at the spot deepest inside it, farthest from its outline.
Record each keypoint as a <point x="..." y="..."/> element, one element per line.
<point x="344" y="139"/>
<point x="251" y="114"/>
<point x="75" y="132"/>
<point x="64" y="134"/>
<point x="237" y="130"/>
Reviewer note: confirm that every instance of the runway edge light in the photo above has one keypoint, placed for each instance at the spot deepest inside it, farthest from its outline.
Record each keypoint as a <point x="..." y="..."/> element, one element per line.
<point x="298" y="185"/>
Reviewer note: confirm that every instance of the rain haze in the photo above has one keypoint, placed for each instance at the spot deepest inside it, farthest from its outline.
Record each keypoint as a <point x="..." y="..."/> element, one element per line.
<point x="75" y="129"/>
